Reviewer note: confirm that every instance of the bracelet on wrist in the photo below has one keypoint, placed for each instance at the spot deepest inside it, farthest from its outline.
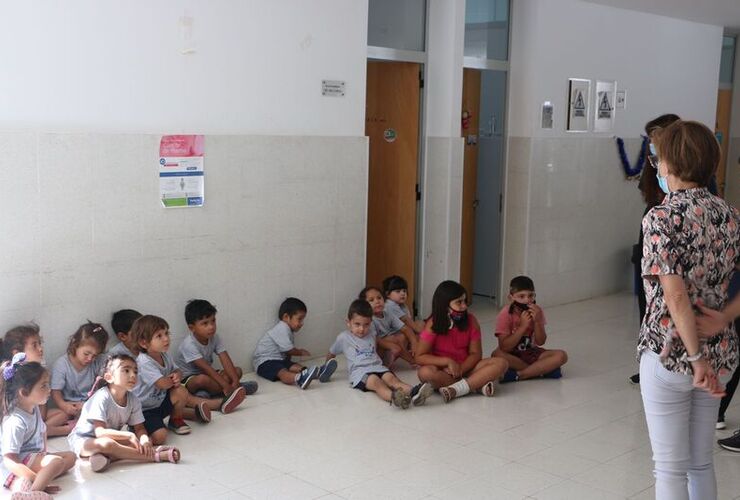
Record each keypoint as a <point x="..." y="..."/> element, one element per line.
<point x="695" y="357"/>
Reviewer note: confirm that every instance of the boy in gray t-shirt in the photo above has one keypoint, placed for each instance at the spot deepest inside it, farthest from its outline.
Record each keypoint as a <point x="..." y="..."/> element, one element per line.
<point x="366" y="369"/>
<point x="121" y="323"/>
<point x="272" y="356"/>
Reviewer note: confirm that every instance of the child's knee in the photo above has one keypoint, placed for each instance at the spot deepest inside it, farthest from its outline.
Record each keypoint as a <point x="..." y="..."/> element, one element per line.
<point x="426" y="373"/>
<point x="159" y="436"/>
<point x="500" y="364"/>
<point x="239" y="372"/>
<point x="562" y="356"/>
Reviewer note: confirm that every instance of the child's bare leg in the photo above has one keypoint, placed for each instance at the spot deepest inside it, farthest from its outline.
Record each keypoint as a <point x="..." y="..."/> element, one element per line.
<point x="394" y="382"/>
<point x="178" y="397"/>
<point x="547" y="362"/>
<point x="112" y="449"/>
<point x="239" y="374"/>
<point x="49" y="467"/>
<point x="193" y="401"/>
<point x="403" y="343"/>
<point x="57" y="423"/>
<point x="159" y="436"/>
<point x="287" y="376"/>
<point x="438" y="378"/>
<point x="203" y="382"/>
<point x="515" y="363"/>
<point x="379" y="387"/>
<point x="485" y="371"/>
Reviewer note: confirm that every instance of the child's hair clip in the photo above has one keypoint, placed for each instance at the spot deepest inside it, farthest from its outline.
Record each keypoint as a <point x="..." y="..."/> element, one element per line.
<point x="9" y="370"/>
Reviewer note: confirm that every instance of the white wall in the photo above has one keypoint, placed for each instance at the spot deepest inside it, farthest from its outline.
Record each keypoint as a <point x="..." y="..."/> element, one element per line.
<point x="118" y="66"/>
<point x="285" y="212"/>
<point x="571" y="217"/>
<point x="732" y="176"/>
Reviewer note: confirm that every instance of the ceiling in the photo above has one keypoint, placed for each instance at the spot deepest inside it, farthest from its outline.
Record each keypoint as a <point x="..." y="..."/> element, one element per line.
<point x="718" y="12"/>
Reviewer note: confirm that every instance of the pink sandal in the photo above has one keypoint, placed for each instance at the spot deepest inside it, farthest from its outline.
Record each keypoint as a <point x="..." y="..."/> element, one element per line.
<point x="99" y="462"/>
<point x="448" y="393"/>
<point x="166" y="454"/>
<point x="30" y="495"/>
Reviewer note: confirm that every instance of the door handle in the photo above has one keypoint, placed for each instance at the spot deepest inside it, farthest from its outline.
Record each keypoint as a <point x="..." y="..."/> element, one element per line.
<point x="475" y="204"/>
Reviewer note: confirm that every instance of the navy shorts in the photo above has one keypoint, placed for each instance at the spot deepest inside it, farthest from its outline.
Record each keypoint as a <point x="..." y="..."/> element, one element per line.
<point x="154" y="417"/>
<point x="270" y="369"/>
<point x="361" y="384"/>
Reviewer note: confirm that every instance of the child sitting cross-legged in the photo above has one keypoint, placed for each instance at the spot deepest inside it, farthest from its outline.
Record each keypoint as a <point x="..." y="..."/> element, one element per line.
<point x="366" y="370"/>
<point x="520" y="329"/>
<point x="195" y="357"/>
<point x="98" y="433"/>
<point x="395" y="340"/>
<point x="121" y="322"/>
<point x="272" y="356"/>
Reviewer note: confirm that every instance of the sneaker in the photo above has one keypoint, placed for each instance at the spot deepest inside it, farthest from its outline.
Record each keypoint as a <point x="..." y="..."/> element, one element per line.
<point x="510" y="376"/>
<point x="178" y="426"/>
<point x="556" y="373"/>
<point x="400" y="399"/>
<point x="327" y="370"/>
<point x="489" y="388"/>
<point x="420" y="393"/>
<point x="304" y="379"/>
<point x="99" y="462"/>
<point x="230" y="402"/>
<point x="720" y="423"/>
<point x="731" y="443"/>
<point x="202" y="412"/>
<point x="635" y="379"/>
<point x="250" y="387"/>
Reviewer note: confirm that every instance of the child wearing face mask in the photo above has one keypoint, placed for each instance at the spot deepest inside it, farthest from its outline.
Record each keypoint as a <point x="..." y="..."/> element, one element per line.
<point x="520" y="330"/>
<point x="449" y="350"/>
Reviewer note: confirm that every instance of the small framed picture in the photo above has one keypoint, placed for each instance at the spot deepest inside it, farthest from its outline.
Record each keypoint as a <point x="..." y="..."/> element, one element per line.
<point x="579" y="96"/>
<point x="604" y="106"/>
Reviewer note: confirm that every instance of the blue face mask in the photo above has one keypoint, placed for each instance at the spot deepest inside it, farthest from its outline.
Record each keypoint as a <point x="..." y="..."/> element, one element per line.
<point x="662" y="181"/>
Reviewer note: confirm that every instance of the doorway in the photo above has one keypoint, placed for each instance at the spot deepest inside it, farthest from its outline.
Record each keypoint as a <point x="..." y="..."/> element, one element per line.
<point x="392" y="125"/>
<point x="484" y="107"/>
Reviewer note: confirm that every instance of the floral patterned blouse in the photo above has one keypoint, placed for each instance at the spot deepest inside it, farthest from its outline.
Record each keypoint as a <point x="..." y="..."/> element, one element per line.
<point x="695" y="235"/>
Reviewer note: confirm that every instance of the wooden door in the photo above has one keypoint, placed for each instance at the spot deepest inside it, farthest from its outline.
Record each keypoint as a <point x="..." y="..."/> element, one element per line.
<point x="469" y="129"/>
<point x="724" y="106"/>
<point x="392" y="125"/>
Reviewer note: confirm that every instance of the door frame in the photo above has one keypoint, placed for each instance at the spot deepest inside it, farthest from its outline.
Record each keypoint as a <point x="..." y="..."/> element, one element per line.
<point x="384" y="54"/>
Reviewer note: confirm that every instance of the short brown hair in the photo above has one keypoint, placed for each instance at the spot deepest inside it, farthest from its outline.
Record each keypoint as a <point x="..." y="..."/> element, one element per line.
<point x="689" y="149"/>
<point x="144" y="329"/>
<point x="89" y="333"/>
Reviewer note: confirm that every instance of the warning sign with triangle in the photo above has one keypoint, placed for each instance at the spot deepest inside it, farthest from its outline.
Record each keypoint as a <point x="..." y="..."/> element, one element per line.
<point x="579" y="105"/>
<point x="605" y="107"/>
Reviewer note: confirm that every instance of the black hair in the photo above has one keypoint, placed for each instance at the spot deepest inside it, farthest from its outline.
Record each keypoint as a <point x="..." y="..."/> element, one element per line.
<point x="122" y="320"/>
<point x="88" y="333"/>
<point x="291" y="306"/>
<point x="393" y="283"/>
<point x="100" y="381"/>
<point x="198" y="309"/>
<point x="660" y="122"/>
<point x="359" y="307"/>
<point x="25" y="376"/>
<point x="446" y="292"/>
<point x="648" y="184"/>
<point x="15" y="339"/>
<point x="519" y="283"/>
<point x="363" y="292"/>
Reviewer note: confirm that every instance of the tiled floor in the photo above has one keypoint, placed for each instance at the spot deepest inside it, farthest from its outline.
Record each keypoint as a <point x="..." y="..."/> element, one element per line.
<point x="581" y="437"/>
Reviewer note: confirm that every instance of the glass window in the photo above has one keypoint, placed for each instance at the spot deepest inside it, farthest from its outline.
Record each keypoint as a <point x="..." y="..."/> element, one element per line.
<point x="397" y="24"/>
<point x="487" y="29"/>
<point x="726" y="67"/>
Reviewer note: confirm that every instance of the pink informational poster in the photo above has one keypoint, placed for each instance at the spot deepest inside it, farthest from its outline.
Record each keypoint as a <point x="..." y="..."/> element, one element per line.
<point x="181" y="171"/>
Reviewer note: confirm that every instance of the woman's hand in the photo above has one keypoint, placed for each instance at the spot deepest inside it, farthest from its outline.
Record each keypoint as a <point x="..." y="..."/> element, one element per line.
<point x="711" y="322"/>
<point x="706" y="379"/>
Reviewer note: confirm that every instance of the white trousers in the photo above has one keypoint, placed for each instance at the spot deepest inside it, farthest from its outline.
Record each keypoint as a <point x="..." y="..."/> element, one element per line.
<point x="681" y="422"/>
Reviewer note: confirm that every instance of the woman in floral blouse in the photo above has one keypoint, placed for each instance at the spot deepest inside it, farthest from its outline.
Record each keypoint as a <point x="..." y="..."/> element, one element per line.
<point x="689" y="253"/>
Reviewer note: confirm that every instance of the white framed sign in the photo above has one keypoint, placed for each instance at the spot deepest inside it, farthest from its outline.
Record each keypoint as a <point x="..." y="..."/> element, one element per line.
<point x="604" y="106"/>
<point x="579" y="96"/>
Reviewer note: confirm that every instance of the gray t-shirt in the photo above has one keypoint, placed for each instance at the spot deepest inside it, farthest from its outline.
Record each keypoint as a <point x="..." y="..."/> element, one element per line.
<point x="191" y="349"/>
<point x="361" y="355"/>
<point x="387" y="324"/>
<point x="22" y="433"/>
<point x="396" y="310"/>
<point x="74" y="384"/>
<point x="274" y="344"/>
<point x="149" y="372"/>
<point x="120" y="348"/>
<point x="102" y="407"/>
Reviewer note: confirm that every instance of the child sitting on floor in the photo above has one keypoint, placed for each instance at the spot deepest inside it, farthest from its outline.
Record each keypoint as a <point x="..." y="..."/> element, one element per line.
<point x="121" y="323"/>
<point x="366" y="370"/>
<point x="272" y="356"/>
<point x="195" y="355"/>
<point x="395" y="291"/>
<point x="395" y="340"/>
<point x="520" y="330"/>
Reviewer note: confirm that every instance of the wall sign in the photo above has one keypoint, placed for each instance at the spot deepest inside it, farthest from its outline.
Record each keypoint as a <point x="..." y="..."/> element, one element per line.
<point x="389" y="135"/>
<point x="332" y="88"/>
<point x="604" y="106"/>
<point x="181" y="171"/>
<point x="579" y="96"/>
<point x="546" y="114"/>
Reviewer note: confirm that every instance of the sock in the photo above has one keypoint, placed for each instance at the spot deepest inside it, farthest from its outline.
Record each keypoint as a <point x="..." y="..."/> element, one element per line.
<point x="461" y="387"/>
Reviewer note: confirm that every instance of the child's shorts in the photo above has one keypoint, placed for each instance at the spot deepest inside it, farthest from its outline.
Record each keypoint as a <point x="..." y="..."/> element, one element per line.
<point x="29" y="459"/>
<point x="530" y="355"/>
<point x="269" y="369"/>
<point x="361" y="385"/>
<point x="154" y="417"/>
